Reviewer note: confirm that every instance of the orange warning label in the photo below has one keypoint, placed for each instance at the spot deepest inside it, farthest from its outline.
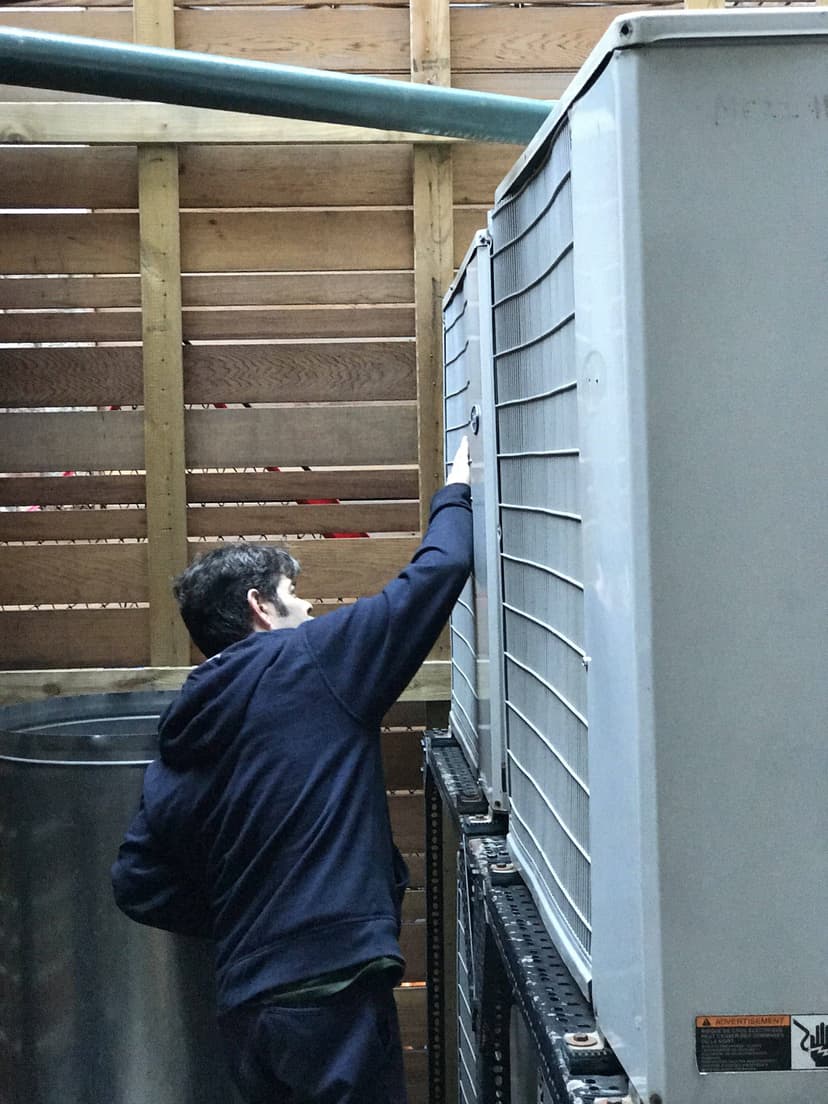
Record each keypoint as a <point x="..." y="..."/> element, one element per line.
<point x="743" y="1021"/>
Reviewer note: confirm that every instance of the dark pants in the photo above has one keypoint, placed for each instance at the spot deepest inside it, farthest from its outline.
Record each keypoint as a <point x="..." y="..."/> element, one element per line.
<point x="342" y="1050"/>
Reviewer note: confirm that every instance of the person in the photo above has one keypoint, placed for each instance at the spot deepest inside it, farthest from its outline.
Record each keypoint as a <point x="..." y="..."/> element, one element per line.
<point x="264" y="824"/>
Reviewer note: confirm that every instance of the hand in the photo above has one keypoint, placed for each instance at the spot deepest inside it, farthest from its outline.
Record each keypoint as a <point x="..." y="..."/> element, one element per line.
<point x="460" y="465"/>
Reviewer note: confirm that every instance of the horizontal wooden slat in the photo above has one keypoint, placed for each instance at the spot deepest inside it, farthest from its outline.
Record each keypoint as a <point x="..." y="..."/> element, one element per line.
<point x="467" y="221"/>
<point x="104" y="176"/>
<point x="311" y="435"/>
<point x="356" y="39"/>
<point x="413" y="947"/>
<point x="276" y="323"/>
<point x="36" y="685"/>
<point x="75" y="491"/>
<point x="228" y="521"/>
<point x="477" y="171"/>
<point x="55" y="119"/>
<point x="403" y="759"/>
<point x="488" y="37"/>
<point x="105" y="573"/>
<point x="252" y="520"/>
<point x="408" y="821"/>
<point x="72" y="573"/>
<point x="381" y="483"/>
<point x="315" y="372"/>
<point x="536" y="83"/>
<point x="83" y="638"/>
<point x="416" y="869"/>
<point x="285" y="486"/>
<point x="368" y="40"/>
<point x="226" y="241"/>
<point x="212" y="176"/>
<point x="88" y="441"/>
<point x="240" y="289"/>
<point x="284" y="437"/>
<point x="411" y="1009"/>
<point x="331" y="176"/>
<point x="67" y="525"/>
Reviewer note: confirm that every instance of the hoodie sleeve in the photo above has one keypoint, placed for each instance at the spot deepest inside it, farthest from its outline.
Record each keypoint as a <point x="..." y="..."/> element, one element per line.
<point x="370" y="651"/>
<point x="152" y="889"/>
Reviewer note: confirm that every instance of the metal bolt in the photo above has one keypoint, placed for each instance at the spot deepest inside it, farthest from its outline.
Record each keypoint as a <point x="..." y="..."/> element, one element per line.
<point x="503" y="868"/>
<point x="583" y="1039"/>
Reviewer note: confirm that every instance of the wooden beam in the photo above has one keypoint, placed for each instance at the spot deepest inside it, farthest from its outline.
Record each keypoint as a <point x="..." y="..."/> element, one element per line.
<point x="431" y="683"/>
<point x="163" y="366"/>
<point x="433" y="244"/>
<point x="119" y="124"/>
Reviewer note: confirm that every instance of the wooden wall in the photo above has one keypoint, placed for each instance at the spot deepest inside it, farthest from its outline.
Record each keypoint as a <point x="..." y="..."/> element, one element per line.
<point x="290" y="276"/>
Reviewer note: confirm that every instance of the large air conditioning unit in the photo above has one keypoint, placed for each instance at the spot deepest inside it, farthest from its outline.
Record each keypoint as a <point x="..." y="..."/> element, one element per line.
<point x="653" y="502"/>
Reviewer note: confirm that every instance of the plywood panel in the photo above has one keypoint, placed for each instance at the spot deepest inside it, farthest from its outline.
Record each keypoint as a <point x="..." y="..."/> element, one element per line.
<point x="227" y="241"/>
<point x="102" y="176"/>
<point x="303" y="372"/>
<point x="367" y="40"/>
<point x="314" y="436"/>
<point x="295" y="176"/>
<point x="416" y="1076"/>
<point x="82" y="638"/>
<point x="520" y="37"/>
<point x="84" y="441"/>
<point x="242" y="289"/>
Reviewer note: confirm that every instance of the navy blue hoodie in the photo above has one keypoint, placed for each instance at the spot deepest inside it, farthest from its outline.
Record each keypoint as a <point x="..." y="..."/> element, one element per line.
<point x="264" y="825"/>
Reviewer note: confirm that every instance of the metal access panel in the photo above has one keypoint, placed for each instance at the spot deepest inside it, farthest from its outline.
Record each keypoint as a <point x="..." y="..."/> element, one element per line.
<point x="540" y="552"/>
<point x="699" y="182"/>
<point x="475" y="621"/>
<point x="696" y="321"/>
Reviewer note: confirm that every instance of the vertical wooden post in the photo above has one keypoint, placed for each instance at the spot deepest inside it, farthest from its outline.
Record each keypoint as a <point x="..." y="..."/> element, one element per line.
<point x="166" y="493"/>
<point x="433" y="243"/>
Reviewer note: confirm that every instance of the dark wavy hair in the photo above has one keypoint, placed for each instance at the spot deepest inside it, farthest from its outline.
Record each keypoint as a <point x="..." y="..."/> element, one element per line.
<point x="212" y="592"/>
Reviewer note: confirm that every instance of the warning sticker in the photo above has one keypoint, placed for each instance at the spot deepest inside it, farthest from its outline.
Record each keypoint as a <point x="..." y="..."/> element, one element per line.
<point x="733" y="1044"/>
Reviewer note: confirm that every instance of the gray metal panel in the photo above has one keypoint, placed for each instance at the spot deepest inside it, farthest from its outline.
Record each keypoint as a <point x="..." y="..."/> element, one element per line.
<point x="656" y="29"/>
<point x="541" y="559"/>
<point x="701" y="269"/>
<point x="475" y="621"/>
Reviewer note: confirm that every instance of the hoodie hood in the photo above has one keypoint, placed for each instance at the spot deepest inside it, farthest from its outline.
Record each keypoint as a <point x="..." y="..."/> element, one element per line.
<point x="202" y="722"/>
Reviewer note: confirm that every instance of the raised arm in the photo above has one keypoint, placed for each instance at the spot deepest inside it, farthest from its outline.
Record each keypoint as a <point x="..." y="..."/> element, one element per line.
<point x="369" y="652"/>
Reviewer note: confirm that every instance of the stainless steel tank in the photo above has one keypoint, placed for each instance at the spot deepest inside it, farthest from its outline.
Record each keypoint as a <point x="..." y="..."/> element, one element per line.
<point x="94" y="1009"/>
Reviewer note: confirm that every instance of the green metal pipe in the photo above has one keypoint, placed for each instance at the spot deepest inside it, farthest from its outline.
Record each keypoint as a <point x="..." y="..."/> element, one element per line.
<point x="102" y="68"/>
